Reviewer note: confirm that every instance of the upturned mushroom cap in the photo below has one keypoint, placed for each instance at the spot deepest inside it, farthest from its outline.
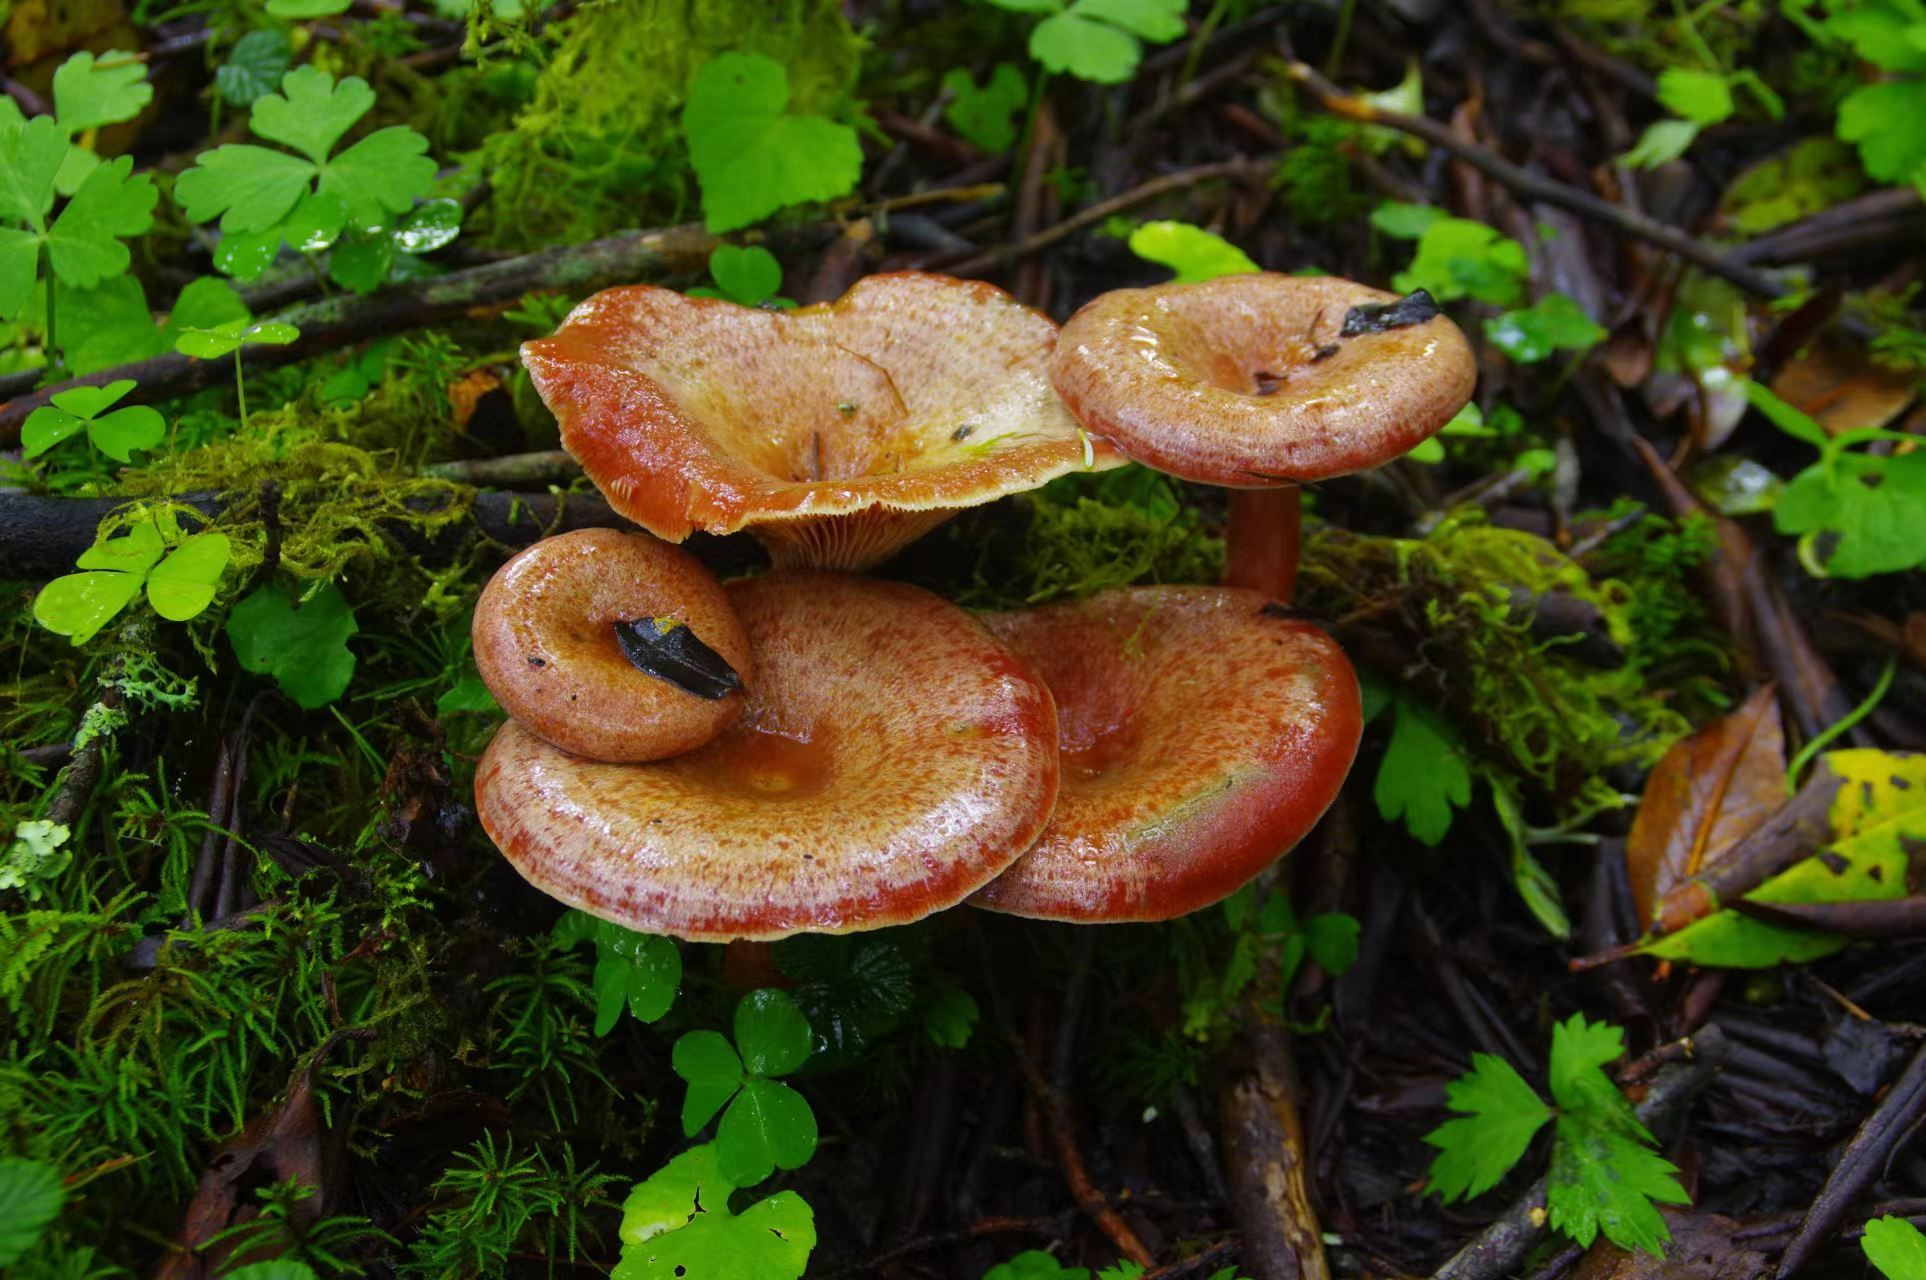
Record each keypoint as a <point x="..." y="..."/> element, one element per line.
<point x="1252" y="381"/>
<point x="835" y="434"/>
<point x="1202" y="736"/>
<point x="891" y="759"/>
<point x="548" y="644"/>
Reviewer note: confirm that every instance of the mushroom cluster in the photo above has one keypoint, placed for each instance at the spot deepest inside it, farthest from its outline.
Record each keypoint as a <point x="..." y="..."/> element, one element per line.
<point x="811" y="750"/>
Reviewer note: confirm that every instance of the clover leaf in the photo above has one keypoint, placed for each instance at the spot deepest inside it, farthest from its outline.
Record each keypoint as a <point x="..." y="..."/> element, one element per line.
<point x="229" y="336"/>
<point x="1099" y="40"/>
<point x="180" y="572"/>
<point x="306" y="199"/>
<point x="1463" y="258"/>
<point x="767" y="1125"/>
<point x="677" y="1223"/>
<point x="303" y="644"/>
<point x="751" y="155"/>
<point x="986" y="115"/>
<point x="639" y="971"/>
<point x="1192" y="252"/>
<point x="1896" y="1247"/>
<point x="1554" y="323"/>
<point x="115" y="434"/>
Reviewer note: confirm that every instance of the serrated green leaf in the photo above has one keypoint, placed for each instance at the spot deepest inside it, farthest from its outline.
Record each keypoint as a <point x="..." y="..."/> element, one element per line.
<point x="1501" y="1115"/>
<point x="304" y="647"/>
<point x="1423" y="776"/>
<point x="1882" y="120"/>
<point x="768" y="1126"/>
<point x="31" y="1195"/>
<point x="379" y="177"/>
<point x="30" y="155"/>
<point x="19" y="268"/>
<point x="1702" y="97"/>
<point x="312" y="111"/>
<point x="249" y="188"/>
<point x="1333" y="941"/>
<point x="254" y="67"/>
<point x="746" y="275"/>
<point x="183" y="584"/>
<point x="1192" y="252"/>
<point x="771" y="1033"/>
<point x="1602" y="1180"/>
<point x="80" y="604"/>
<point x="1896" y="1247"/>
<point x="751" y="156"/>
<point x="84" y="245"/>
<point x="88" y="94"/>
<point x="713" y="1072"/>
<point x="986" y="115"/>
<point x="1580" y="1051"/>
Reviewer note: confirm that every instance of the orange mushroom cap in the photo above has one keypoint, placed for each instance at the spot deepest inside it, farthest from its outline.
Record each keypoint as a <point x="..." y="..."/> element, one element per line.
<point x="548" y="645"/>
<point x="1202" y="736"/>
<point x="1252" y="381"/>
<point x="835" y="434"/>
<point x="891" y="759"/>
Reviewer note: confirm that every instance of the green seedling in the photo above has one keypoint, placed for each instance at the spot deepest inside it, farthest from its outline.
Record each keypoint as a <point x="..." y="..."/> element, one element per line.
<point x="117" y="434"/>
<point x="637" y="971"/>
<point x="767" y="1125"/>
<point x="180" y="572"/>
<point x="752" y="156"/>
<point x="227" y="338"/>
<point x="1098" y="40"/>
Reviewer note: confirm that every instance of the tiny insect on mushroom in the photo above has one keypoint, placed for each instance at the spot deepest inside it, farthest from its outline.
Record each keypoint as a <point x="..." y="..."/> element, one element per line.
<point x="1203" y="733"/>
<point x="612" y="646"/>
<point x="891" y="759"/>
<point x="834" y="434"/>
<point x="1259" y="383"/>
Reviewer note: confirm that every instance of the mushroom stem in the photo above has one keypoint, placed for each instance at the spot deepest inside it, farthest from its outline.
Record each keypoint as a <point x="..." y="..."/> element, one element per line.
<point x="1263" y="541"/>
<point x="747" y="966"/>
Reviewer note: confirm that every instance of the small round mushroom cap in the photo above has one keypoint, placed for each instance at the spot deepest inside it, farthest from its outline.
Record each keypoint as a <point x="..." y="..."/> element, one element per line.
<point x="835" y="434"/>
<point x="891" y="759"/>
<point x="1251" y="381"/>
<point x="1202" y="736"/>
<point x="549" y="644"/>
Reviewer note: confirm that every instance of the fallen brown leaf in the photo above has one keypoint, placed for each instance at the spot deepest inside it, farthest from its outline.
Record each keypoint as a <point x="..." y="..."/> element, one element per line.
<point x="1702" y="1249"/>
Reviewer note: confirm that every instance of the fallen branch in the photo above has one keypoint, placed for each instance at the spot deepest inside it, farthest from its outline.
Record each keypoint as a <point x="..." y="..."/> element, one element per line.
<point x="1533" y="187"/>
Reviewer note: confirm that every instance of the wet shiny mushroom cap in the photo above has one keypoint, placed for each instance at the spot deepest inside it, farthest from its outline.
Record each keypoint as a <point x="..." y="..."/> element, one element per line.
<point x="1202" y="736"/>
<point x="613" y="646"/>
<point x="835" y="434"/>
<point x="1257" y="380"/>
<point x="891" y="759"/>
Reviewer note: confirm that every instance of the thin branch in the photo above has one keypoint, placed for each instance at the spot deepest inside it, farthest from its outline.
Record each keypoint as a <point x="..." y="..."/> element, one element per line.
<point x="1533" y="187"/>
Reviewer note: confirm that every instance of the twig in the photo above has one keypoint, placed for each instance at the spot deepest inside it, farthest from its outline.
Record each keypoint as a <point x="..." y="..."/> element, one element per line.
<point x="1533" y="187"/>
<point x="551" y="466"/>
<point x="1096" y="213"/>
<point x="1860" y="1163"/>
<point x="1266" y="1160"/>
<point x="1501" y="1248"/>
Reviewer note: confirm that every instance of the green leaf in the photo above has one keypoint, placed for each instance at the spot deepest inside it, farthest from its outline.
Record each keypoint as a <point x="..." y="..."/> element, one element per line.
<point x="80" y="604"/>
<point x="31" y="1194"/>
<point x="206" y="303"/>
<point x="1882" y="120"/>
<point x="1894" y="1245"/>
<point x="1528" y="875"/>
<point x="315" y="223"/>
<point x="311" y="111"/>
<point x="714" y="1073"/>
<point x="1035" y="1264"/>
<point x="295" y="10"/>
<point x="1601" y="1180"/>
<point x="1702" y="97"/>
<point x="1192" y="252"/>
<point x="380" y="176"/>
<point x="1790" y="419"/>
<point x="84" y="245"/>
<point x="19" y="268"/>
<point x="1406" y="221"/>
<point x="689" y="1185"/>
<point x="46" y="427"/>
<point x="249" y="188"/>
<point x="119" y="433"/>
<point x="771" y="1032"/>
<point x="30" y="156"/>
<point x="88" y="94"/>
<point x="1460" y="258"/>
<point x="183" y="584"/>
<point x="254" y="67"/>
<point x="638" y="970"/>
<point x="771" y="1240"/>
<point x="1500" y="1116"/>
<point x="751" y="156"/>
<point x="1333" y="941"/>
<point x="135" y="551"/>
<point x="1424" y="775"/>
<point x="272" y="1269"/>
<point x="433" y="224"/>
<point x="950" y="1018"/>
<point x="747" y="275"/>
<point x="1867" y="513"/>
<point x="767" y="1127"/>
<point x="1580" y="1051"/>
<point x="986" y="115"/>
<point x="1088" y="50"/>
<point x="304" y="647"/>
<point x="1884" y="34"/>
<point x="1662" y="142"/>
<point x="361" y="263"/>
<point x="1554" y="323"/>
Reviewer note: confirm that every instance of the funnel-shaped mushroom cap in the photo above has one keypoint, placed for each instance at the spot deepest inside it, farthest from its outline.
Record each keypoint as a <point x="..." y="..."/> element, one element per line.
<point x="835" y="434"/>
<point x="611" y="645"/>
<point x="1202" y="737"/>
<point x="1257" y="380"/>
<point x="891" y="758"/>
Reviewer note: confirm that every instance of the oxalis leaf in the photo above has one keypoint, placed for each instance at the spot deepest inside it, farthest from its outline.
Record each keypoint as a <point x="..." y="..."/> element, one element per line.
<point x="751" y="156"/>
<point x="1896" y="1247"/>
<point x="639" y="971"/>
<point x="115" y="434"/>
<point x="179" y="586"/>
<point x="766" y="1125"/>
<point x="986" y="116"/>
<point x="302" y="644"/>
